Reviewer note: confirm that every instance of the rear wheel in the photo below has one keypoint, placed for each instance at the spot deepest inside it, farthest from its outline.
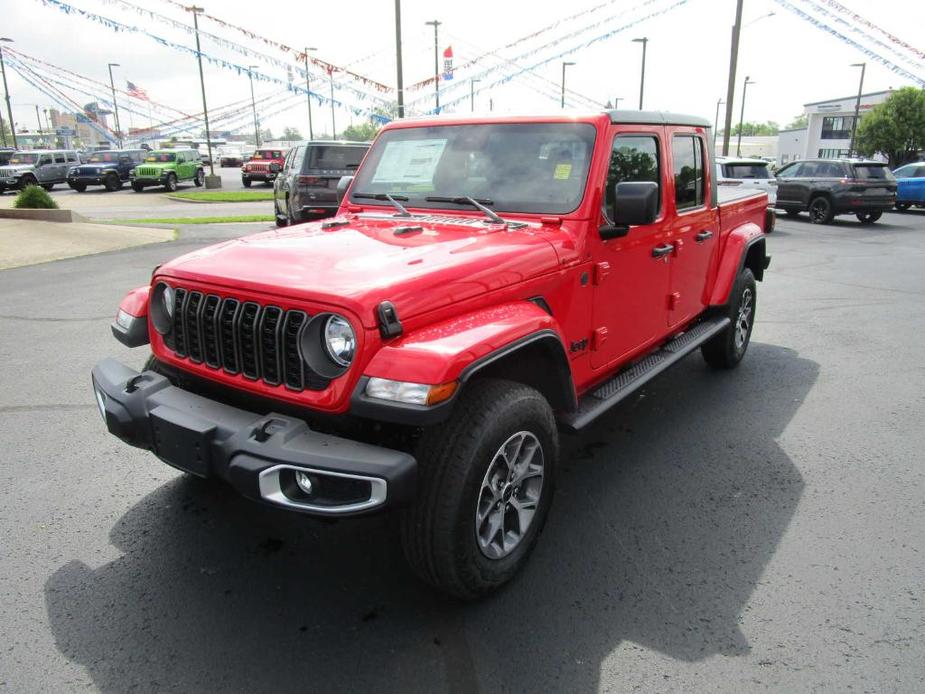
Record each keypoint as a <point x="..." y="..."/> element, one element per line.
<point x="171" y="184"/>
<point x="281" y="221"/>
<point x="48" y="186"/>
<point x="868" y="217"/>
<point x="112" y="182"/>
<point x="290" y="218"/>
<point x="726" y="349"/>
<point x="903" y="206"/>
<point x="791" y="212"/>
<point x="820" y="210"/>
<point x="200" y="178"/>
<point x="485" y="487"/>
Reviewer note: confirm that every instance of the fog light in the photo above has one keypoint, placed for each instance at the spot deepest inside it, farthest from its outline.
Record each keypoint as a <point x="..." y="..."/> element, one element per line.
<point x="100" y="401"/>
<point x="304" y="482"/>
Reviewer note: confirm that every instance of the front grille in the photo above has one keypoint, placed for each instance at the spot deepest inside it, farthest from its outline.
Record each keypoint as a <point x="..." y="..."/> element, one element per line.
<point x="258" y="168"/>
<point x="147" y="171"/>
<point x="259" y="342"/>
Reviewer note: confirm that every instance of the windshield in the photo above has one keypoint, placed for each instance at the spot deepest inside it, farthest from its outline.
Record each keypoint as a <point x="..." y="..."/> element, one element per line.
<point x="268" y="154"/>
<point x="746" y="171"/>
<point x="339" y="157"/>
<point x="103" y="156"/>
<point x="878" y="171"/>
<point x="161" y="156"/>
<point x="24" y="158"/>
<point x="528" y="167"/>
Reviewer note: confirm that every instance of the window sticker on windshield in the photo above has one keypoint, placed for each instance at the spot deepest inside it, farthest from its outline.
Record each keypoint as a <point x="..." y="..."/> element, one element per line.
<point x="562" y="172"/>
<point x="409" y="162"/>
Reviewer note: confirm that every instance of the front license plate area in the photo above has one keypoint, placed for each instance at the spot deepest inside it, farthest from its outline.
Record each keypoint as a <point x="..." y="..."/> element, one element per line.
<point x="182" y="440"/>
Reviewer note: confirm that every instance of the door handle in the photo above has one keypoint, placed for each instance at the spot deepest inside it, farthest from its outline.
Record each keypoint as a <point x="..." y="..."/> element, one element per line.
<point x="664" y="249"/>
<point x="703" y="236"/>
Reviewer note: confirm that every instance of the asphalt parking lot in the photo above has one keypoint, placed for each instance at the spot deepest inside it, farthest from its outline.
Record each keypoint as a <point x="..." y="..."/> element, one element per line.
<point x="756" y="530"/>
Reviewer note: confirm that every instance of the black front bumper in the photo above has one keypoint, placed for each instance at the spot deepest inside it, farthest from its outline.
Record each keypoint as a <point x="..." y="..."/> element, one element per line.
<point x="259" y="455"/>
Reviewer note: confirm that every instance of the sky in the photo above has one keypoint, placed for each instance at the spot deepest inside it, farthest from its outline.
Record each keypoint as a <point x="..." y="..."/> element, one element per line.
<point x="790" y="61"/>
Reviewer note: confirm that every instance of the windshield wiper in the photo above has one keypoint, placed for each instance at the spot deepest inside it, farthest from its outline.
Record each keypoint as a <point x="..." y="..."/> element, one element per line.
<point x="388" y="197"/>
<point x="466" y="200"/>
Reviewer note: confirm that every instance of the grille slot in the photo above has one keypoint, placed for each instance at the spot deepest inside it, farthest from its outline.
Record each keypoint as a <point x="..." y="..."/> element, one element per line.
<point x="259" y="342"/>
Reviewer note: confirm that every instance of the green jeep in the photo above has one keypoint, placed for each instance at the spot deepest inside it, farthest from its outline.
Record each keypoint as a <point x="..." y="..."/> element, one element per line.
<point x="167" y="168"/>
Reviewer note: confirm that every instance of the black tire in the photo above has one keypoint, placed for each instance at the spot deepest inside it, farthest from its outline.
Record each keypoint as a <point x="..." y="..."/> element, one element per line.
<point x="820" y="210"/>
<point x="725" y="350"/>
<point x="290" y="219"/>
<point x="48" y="186"/>
<point x="171" y="184"/>
<point x="79" y="187"/>
<point x="439" y="531"/>
<point x="791" y="212"/>
<point x="200" y="179"/>
<point x="903" y="206"/>
<point x="137" y="187"/>
<point x="246" y="182"/>
<point x="112" y="183"/>
<point x="868" y="217"/>
<point x="28" y="180"/>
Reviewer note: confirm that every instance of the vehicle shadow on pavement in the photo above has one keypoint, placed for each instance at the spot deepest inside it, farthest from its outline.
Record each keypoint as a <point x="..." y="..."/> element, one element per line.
<point x="667" y="514"/>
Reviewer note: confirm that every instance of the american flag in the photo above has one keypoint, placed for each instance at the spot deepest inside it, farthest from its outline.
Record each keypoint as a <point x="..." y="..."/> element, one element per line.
<point x="137" y="92"/>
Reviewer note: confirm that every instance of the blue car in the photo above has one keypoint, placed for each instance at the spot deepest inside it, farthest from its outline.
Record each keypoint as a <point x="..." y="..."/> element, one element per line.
<point x="910" y="181"/>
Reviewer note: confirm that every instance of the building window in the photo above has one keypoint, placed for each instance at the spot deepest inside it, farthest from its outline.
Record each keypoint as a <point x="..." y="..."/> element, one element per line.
<point x="837" y="127"/>
<point x="833" y="153"/>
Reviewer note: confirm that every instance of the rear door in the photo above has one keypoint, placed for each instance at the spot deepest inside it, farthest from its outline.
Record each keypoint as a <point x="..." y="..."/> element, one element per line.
<point x="45" y="170"/>
<point x="693" y="228"/>
<point x="630" y="278"/>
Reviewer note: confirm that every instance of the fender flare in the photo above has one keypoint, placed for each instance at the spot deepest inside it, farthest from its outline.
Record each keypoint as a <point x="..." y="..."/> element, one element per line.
<point x="460" y="348"/>
<point x="742" y="243"/>
<point x="131" y="324"/>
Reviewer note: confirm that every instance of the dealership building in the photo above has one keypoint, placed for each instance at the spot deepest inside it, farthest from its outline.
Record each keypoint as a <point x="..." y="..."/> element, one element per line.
<point x="827" y="134"/>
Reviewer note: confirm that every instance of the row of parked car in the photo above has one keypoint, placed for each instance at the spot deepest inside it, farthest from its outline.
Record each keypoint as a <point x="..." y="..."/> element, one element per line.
<point x="828" y="187"/>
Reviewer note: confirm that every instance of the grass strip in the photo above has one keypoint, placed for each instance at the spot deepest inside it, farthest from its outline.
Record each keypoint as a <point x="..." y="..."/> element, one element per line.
<point x="197" y="220"/>
<point x="224" y="195"/>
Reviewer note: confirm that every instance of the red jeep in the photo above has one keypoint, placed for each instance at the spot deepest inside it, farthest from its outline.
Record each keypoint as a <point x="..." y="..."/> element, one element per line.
<point x="266" y="163"/>
<point x="486" y="283"/>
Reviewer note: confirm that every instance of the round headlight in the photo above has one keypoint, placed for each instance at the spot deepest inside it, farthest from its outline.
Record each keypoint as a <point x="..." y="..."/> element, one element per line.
<point x="161" y="307"/>
<point x="339" y="340"/>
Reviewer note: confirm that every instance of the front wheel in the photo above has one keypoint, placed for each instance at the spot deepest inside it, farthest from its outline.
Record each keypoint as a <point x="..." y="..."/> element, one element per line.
<point x="171" y="184"/>
<point x="868" y="217"/>
<point x="79" y="187"/>
<point x="726" y="349"/>
<point x="200" y="178"/>
<point x="486" y="481"/>
<point x="820" y="211"/>
<point x="27" y="181"/>
<point x="137" y="187"/>
<point x="246" y="182"/>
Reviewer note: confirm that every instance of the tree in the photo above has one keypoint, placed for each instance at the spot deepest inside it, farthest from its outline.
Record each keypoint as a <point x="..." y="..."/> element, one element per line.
<point x="360" y="133"/>
<point x="752" y="129"/>
<point x="290" y="134"/>
<point x="798" y="123"/>
<point x="895" y="128"/>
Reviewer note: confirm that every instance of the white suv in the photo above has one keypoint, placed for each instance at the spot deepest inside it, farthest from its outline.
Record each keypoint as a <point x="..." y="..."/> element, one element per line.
<point x="748" y="173"/>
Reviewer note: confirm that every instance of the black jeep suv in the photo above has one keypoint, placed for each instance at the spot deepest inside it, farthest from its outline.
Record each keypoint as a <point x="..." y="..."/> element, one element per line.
<point x="109" y="168"/>
<point x="827" y="187"/>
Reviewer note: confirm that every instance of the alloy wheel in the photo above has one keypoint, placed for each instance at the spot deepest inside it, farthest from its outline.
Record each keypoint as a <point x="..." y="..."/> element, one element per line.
<point x="743" y="319"/>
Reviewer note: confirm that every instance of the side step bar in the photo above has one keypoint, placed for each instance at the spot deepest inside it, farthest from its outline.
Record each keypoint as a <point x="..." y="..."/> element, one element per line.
<point x="609" y="393"/>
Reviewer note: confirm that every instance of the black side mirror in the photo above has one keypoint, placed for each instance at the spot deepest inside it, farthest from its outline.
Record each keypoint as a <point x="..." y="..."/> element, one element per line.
<point x="635" y="203"/>
<point x="275" y="167"/>
<point x="342" y="185"/>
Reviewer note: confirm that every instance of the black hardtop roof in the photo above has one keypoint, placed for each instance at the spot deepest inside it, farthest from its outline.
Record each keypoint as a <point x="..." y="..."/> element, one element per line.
<point x="657" y="118"/>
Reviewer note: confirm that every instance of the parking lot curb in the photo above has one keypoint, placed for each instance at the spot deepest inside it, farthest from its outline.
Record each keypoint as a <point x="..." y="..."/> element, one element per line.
<point x="61" y="216"/>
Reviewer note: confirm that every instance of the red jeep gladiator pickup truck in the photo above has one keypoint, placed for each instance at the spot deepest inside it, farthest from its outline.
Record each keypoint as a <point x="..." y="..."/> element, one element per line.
<point x="486" y="283"/>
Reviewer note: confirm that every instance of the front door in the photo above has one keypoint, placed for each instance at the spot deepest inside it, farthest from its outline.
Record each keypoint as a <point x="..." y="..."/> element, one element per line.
<point x="694" y="229"/>
<point x="631" y="274"/>
<point x="787" y="186"/>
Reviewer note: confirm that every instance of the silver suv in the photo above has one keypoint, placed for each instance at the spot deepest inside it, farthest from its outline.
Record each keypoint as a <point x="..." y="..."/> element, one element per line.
<point x="44" y="168"/>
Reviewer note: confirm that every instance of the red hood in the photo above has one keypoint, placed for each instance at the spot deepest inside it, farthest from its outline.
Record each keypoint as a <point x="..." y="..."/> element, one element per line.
<point x="359" y="265"/>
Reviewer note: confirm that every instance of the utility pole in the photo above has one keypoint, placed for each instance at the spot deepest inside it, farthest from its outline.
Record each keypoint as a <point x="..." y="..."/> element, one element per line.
<point x="472" y="94"/>
<point x="857" y="107"/>
<point x="564" y="65"/>
<point x="731" y="87"/>
<point x="202" y="83"/>
<point x="742" y="116"/>
<point x="333" y="127"/>
<point x="115" y="106"/>
<point x="6" y="92"/>
<point x="435" y="24"/>
<point x="719" y="102"/>
<point x="38" y="118"/>
<point x="642" y="78"/>
<point x="308" y="95"/>
<point x="400" y="91"/>
<point x="250" y="76"/>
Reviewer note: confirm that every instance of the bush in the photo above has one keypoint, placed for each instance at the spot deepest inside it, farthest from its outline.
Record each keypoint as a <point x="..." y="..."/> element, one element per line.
<point x="34" y="198"/>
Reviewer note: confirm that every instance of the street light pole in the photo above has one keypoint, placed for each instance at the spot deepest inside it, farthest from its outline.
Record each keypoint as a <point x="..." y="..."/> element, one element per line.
<point x="564" y="65"/>
<point x="6" y="92"/>
<point x="115" y="106"/>
<point x="308" y="95"/>
<point x="472" y="94"/>
<point x="642" y="78"/>
<point x="616" y="102"/>
<point x="38" y="118"/>
<point x="719" y="102"/>
<point x="731" y="86"/>
<point x="202" y="83"/>
<point x="435" y="24"/>
<point x="742" y="116"/>
<point x="400" y="82"/>
<point x="250" y="76"/>
<point x="857" y="107"/>
<point x="333" y="127"/>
